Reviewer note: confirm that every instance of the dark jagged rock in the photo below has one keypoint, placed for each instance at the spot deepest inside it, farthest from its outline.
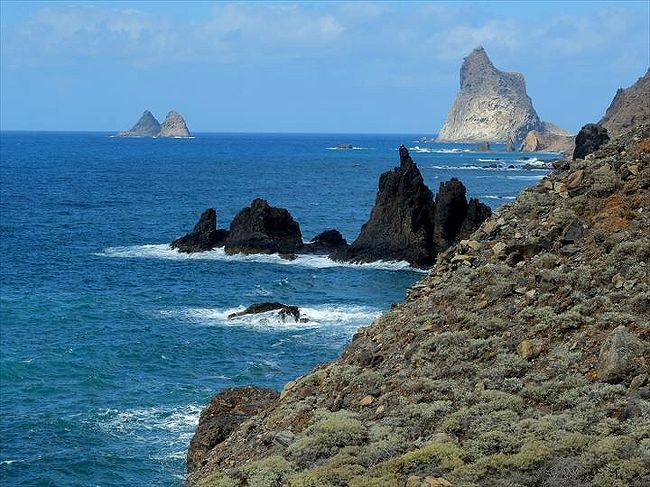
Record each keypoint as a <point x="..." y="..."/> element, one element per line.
<point x="284" y="311"/>
<point x="406" y="223"/>
<point x="326" y="242"/>
<point x="510" y="146"/>
<point x="174" y="126"/>
<point x="263" y="229"/>
<point x="400" y="224"/>
<point x="589" y="139"/>
<point x="226" y="411"/>
<point x="484" y="147"/>
<point x="477" y="213"/>
<point x="344" y="146"/>
<point x="147" y="126"/>
<point x="629" y="108"/>
<point x="204" y="236"/>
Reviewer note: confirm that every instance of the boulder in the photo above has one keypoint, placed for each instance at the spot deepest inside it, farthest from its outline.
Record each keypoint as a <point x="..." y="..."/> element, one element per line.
<point x="589" y="139"/>
<point x="326" y="242"/>
<point x="284" y="311"/>
<point x="204" y="236"/>
<point x="622" y="354"/>
<point x="263" y="229"/>
<point x="174" y="126"/>
<point x="400" y="226"/>
<point x="147" y="126"/>
<point x="226" y="411"/>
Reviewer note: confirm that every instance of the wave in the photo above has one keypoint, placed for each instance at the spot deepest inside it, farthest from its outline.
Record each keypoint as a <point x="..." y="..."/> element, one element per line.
<point x="417" y="148"/>
<point x="484" y="168"/>
<point x="488" y="160"/>
<point x="346" y="316"/>
<point x="349" y="148"/>
<point x="497" y="197"/>
<point x="164" y="251"/>
<point x="534" y="177"/>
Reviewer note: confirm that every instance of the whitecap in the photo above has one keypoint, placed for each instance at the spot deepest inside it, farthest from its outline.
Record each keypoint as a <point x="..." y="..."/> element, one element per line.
<point x="534" y="177"/>
<point x="164" y="251"/>
<point x="488" y="160"/>
<point x="319" y="316"/>
<point x="497" y="197"/>
<point x="483" y="168"/>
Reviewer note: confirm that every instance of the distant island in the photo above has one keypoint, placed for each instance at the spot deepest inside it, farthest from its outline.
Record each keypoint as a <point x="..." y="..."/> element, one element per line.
<point x="148" y="126"/>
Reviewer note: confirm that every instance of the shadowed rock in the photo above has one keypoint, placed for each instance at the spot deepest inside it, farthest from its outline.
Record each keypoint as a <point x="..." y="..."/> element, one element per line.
<point x="204" y="236"/>
<point x="326" y="242"/>
<point x="226" y="411"/>
<point x="263" y="229"/>
<point x="147" y="126"/>
<point x="589" y="139"/>
<point x="284" y="311"/>
<point x="477" y="213"/>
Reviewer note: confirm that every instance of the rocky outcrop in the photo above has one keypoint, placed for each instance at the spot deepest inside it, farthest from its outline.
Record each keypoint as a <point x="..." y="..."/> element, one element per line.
<point x="285" y="312"/>
<point x="491" y="106"/>
<point x="589" y="139"/>
<point x="204" y="236"/>
<point x="405" y="222"/>
<point x="263" y="229"/>
<point x="174" y="126"/>
<point x="147" y="126"/>
<point x="493" y="371"/>
<point x="547" y="141"/>
<point x="629" y="108"/>
<point x="326" y="242"/>
<point x="226" y="411"/>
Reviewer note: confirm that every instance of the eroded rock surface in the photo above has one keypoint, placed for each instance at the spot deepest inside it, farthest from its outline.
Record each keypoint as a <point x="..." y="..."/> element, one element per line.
<point x="147" y="126"/>
<point x="589" y="139"/>
<point x="629" y="108"/>
<point x="204" y="236"/>
<point x="174" y="126"/>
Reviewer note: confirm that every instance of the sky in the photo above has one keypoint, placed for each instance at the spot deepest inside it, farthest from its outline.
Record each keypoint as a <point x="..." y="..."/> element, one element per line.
<point x="333" y="67"/>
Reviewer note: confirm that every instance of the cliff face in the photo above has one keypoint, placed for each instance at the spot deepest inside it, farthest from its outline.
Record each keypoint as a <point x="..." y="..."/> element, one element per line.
<point x="174" y="126"/>
<point x="492" y="105"/>
<point x="630" y="107"/>
<point x="147" y="126"/>
<point x="521" y="359"/>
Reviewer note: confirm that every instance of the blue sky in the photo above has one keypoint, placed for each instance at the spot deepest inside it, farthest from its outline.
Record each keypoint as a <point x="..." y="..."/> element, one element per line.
<point x="305" y="67"/>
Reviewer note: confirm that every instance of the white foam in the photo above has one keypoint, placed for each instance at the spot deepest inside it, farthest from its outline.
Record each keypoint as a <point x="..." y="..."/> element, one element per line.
<point x="164" y="251"/>
<point x="488" y="160"/>
<point x="340" y="316"/>
<point x="349" y="148"/>
<point x="482" y="168"/>
<point x="496" y="197"/>
<point x="534" y="177"/>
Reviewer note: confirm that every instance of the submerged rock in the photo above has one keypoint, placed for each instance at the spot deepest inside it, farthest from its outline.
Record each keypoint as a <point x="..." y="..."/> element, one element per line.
<point x="204" y="236"/>
<point x="284" y="311"/>
<point x="263" y="229"/>
<point x="174" y="126"/>
<point x="226" y="411"/>
<point x="147" y="126"/>
<point x="589" y="139"/>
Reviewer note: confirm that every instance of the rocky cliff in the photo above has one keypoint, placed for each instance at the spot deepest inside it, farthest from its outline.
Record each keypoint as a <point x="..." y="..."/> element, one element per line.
<point x="630" y="107"/>
<point x="492" y="105"/>
<point x="147" y="126"/>
<point x="520" y="359"/>
<point x="174" y="126"/>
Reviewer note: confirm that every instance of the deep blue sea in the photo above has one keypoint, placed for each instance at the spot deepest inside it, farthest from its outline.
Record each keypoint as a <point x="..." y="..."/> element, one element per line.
<point x="111" y="343"/>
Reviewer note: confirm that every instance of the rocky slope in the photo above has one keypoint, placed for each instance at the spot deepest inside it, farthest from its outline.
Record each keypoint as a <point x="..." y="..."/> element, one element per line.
<point x="492" y="105"/>
<point x="630" y="107"/>
<point x="147" y="126"/>
<point x="549" y="138"/>
<point x="174" y="126"/>
<point x="520" y="359"/>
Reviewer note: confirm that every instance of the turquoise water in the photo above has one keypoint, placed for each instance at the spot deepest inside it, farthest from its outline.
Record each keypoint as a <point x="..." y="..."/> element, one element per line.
<point x="111" y="343"/>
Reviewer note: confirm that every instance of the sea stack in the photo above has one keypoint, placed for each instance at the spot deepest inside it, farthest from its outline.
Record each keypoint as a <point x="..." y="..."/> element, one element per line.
<point x="492" y="105"/>
<point x="174" y="126"/>
<point x="147" y="126"/>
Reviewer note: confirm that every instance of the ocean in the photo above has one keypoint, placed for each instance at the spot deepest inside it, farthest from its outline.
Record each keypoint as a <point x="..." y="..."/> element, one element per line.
<point x="111" y="343"/>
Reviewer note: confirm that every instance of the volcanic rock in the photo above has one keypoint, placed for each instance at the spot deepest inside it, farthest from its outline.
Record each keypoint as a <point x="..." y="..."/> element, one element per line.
<point x="630" y="107"/>
<point x="284" y="311"/>
<point x="589" y="139"/>
<point x="204" y="236"/>
<point x="226" y="411"/>
<point x="174" y="126"/>
<point x="491" y="106"/>
<point x="147" y="126"/>
<point x="263" y="229"/>
<point x="619" y="354"/>
<point x="326" y="242"/>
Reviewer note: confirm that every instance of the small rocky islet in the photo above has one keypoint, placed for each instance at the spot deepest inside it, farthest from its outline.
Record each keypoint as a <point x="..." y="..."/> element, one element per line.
<point x="148" y="126"/>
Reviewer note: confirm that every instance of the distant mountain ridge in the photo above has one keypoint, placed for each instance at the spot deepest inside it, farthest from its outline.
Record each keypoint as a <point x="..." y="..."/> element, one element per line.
<point x="148" y="126"/>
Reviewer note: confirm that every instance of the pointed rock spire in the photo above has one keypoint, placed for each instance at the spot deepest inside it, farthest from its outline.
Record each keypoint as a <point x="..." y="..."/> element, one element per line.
<point x="147" y="126"/>
<point x="174" y="126"/>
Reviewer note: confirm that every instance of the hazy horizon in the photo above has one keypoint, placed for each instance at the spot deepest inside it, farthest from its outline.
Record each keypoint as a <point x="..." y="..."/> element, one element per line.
<point x="292" y="67"/>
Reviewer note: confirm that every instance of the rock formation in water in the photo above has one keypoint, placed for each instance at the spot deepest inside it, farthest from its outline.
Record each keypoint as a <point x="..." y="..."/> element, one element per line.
<point x="589" y="139"/>
<point x="285" y="312"/>
<point x="326" y="242"/>
<point x="550" y="138"/>
<point x="630" y="107"/>
<point x="406" y="223"/>
<point x="147" y="126"/>
<point x="491" y="106"/>
<point x="263" y="229"/>
<point x="174" y="126"/>
<point x="204" y="236"/>
<point x="521" y="358"/>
